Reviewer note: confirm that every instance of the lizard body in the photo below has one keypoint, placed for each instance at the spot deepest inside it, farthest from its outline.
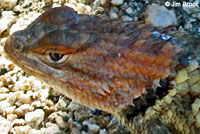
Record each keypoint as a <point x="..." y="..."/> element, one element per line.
<point x="147" y="77"/>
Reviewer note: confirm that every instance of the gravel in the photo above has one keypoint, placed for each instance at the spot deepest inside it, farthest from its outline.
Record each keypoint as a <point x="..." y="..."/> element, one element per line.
<point x="30" y="106"/>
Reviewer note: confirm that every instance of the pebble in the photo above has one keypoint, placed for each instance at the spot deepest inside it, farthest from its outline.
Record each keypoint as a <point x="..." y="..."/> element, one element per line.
<point x="25" y="98"/>
<point x="83" y="132"/>
<point x="113" y="15"/>
<point x="34" y="131"/>
<point x="124" y="6"/>
<point x="117" y="2"/>
<point x="75" y="123"/>
<point x="198" y="16"/>
<point x="12" y="98"/>
<point x="3" y="71"/>
<point x="93" y="128"/>
<point x="34" y="118"/>
<point x="50" y="129"/>
<point x="74" y="106"/>
<point x="196" y="106"/>
<point x="43" y="94"/>
<point x="36" y="104"/>
<point x="160" y="16"/>
<point x="199" y="30"/>
<point x="19" y="122"/>
<point x="10" y="110"/>
<point x="7" y="19"/>
<point x="100" y="9"/>
<point x="191" y="9"/>
<point x="103" y="2"/>
<point x="75" y="131"/>
<point x="198" y="119"/>
<point x="22" y="129"/>
<point x="61" y="104"/>
<point x="8" y="4"/>
<point x="3" y="105"/>
<point x="103" y="131"/>
<point x="5" y="125"/>
<point x="11" y="117"/>
<point x="23" y="109"/>
<point x="60" y="122"/>
<point x="126" y="18"/>
<point x="3" y="96"/>
<point x="129" y="10"/>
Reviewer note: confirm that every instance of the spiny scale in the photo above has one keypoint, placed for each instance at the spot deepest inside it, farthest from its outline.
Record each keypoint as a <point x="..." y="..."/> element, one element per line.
<point x="125" y="68"/>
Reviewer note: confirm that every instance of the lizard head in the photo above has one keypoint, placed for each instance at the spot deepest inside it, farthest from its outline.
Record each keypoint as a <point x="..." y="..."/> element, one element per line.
<point x="89" y="61"/>
<point x="52" y="48"/>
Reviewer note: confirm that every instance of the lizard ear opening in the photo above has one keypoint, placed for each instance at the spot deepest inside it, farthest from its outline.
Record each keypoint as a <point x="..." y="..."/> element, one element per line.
<point x="56" y="58"/>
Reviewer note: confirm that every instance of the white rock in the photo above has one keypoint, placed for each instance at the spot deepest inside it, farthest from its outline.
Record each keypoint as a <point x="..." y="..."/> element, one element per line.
<point x="37" y="85"/>
<point x="7" y="4"/>
<point x="43" y="94"/>
<point x="25" y="98"/>
<point x="61" y="104"/>
<point x="117" y="2"/>
<point x="5" y="125"/>
<point x="3" y="105"/>
<point x="18" y="122"/>
<point x="11" y="117"/>
<point x="93" y="128"/>
<point x="34" y="118"/>
<point x="60" y="122"/>
<point x="21" y="85"/>
<point x="198" y="119"/>
<point x="77" y="124"/>
<point x="103" y="2"/>
<point x="73" y="106"/>
<point x="196" y="106"/>
<point x="198" y="16"/>
<point x="3" y="96"/>
<point x="80" y="8"/>
<point x="3" y="89"/>
<point x="113" y="15"/>
<point x="100" y="9"/>
<point x="103" y="131"/>
<point x="70" y="5"/>
<point x="23" y="109"/>
<point x="129" y="10"/>
<point x="83" y="132"/>
<point x="9" y="110"/>
<point x="191" y="9"/>
<point x="22" y="129"/>
<point x="34" y="131"/>
<point x="126" y="18"/>
<point x="51" y="129"/>
<point x="6" y="20"/>
<point x="11" y="98"/>
<point x="160" y="16"/>
<point x="75" y="131"/>
<point x="36" y="104"/>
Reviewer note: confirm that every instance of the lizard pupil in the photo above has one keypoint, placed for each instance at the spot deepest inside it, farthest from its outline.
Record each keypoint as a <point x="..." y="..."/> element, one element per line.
<point x="56" y="56"/>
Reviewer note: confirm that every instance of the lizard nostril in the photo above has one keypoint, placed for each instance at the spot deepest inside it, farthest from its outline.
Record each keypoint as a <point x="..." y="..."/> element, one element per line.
<point x="18" y="44"/>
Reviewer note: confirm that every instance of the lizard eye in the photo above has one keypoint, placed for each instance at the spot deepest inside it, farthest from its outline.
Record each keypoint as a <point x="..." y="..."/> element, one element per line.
<point x="57" y="57"/>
